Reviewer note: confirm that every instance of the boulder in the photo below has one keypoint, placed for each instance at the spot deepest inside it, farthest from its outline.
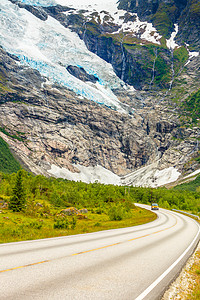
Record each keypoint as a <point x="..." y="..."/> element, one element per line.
<point x="70" y="211"/>
<point x="83" y="211"/>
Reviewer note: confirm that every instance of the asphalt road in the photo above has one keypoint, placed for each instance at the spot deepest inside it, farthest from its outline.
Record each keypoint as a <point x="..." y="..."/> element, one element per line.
<point x="131" y="263"/>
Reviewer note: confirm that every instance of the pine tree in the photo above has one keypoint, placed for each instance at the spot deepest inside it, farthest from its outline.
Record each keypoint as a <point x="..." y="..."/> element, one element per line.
<point x="17" y="201"/>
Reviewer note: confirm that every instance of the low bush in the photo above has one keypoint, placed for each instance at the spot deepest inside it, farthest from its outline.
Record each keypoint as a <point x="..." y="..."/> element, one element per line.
<point x="117" y="212"/>
<point x="35" y="225"/>
<point x="61" y="223"/>
<point x="73" y="223"/>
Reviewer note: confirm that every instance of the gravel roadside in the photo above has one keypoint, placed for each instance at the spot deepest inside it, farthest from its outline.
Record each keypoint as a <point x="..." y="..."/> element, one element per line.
<point x="182" y="288"/>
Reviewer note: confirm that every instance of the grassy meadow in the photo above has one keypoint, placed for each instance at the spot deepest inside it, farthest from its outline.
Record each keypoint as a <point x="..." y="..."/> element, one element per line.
<point x="20" y="226"/>
<point x="45" y="200"/>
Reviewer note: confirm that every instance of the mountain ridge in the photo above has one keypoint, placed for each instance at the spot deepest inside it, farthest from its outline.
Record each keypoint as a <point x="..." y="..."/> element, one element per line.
<point x="133" y="119"/>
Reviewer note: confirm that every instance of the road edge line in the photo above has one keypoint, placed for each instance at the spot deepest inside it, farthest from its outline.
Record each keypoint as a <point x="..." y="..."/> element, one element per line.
<point x="161" y="277"/>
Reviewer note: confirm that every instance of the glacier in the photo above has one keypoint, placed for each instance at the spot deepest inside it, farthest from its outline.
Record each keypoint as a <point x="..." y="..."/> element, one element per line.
<point x="49" y="47"/>
<point x="45" y="3"/>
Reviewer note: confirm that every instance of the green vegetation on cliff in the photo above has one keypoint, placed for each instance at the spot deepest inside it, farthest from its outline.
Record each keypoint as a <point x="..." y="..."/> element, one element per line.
<point x="18" y="136"/>
<point x="8" y="163"/>
<point x="163" y="19"/>
<point x="195" y="9"/>
<point x="3" y="82"/>
<point x="192" y="186"/>
<point x="93" y="28"/>
<point x="180" y="58"/>
<point x="192" y="106"/>
<point x="139" y="59"/>
<point x="162" y="70"/>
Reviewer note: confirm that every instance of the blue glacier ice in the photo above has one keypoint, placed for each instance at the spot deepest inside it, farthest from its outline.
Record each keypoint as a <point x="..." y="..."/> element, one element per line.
<point x="91" y="72"/>
<point x="49" y="48"/>
<point x="39" y="2"/>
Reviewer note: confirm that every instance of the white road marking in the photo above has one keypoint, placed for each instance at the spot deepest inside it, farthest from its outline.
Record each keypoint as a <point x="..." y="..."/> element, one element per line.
<point x="161" y="277"/>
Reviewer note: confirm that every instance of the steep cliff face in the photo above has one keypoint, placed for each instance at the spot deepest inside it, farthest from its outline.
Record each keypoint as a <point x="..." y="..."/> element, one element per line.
<point x="190" y="24"/>
<point x="52" y="125"/>
<point x="164" y="14"/>
<point x="82" y="87"/>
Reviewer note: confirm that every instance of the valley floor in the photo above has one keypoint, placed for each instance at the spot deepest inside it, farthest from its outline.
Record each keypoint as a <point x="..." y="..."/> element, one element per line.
<point x="19" y="226"/>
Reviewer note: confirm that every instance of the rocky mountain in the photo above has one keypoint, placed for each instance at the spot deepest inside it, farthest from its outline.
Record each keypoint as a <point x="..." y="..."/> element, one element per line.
<point x="101" y="91"/>
<point x="164" y="14"/>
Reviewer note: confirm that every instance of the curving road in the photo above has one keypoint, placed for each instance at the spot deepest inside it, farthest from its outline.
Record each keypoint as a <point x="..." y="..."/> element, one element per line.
<point x="132" y="263"/>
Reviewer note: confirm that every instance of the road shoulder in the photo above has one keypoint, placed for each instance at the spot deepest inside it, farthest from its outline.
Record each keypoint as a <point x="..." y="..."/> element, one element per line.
<point x="183" y="287"/>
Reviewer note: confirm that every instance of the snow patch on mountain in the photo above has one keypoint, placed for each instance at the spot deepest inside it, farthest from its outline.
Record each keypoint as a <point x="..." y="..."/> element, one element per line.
<point x="148" y="176"/>
<point x="171" y="44"/>
<point x="107" y="12"/>
<point x="86" y="174"/>
<point x="151" y="176"/>
<point x="49" y="47"/>
<point x="94" y="5"/>
<point x="192" y="174"/>
<point x="143" y="30"/>
<point x="191" y="54"/>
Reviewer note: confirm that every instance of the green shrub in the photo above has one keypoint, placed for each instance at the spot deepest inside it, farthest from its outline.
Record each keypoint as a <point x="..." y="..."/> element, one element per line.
<point x="73" y="223"/>
<point x="56" y="200"/>
<point x="15" y="233"/>
<point x="61" y="223"/>
<point x="99" y="210"/>
<point x="97" y="224"/>
<point x="162" y="71"/>
<point x="35" y="225"/>
<point x="116" y="212"/>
